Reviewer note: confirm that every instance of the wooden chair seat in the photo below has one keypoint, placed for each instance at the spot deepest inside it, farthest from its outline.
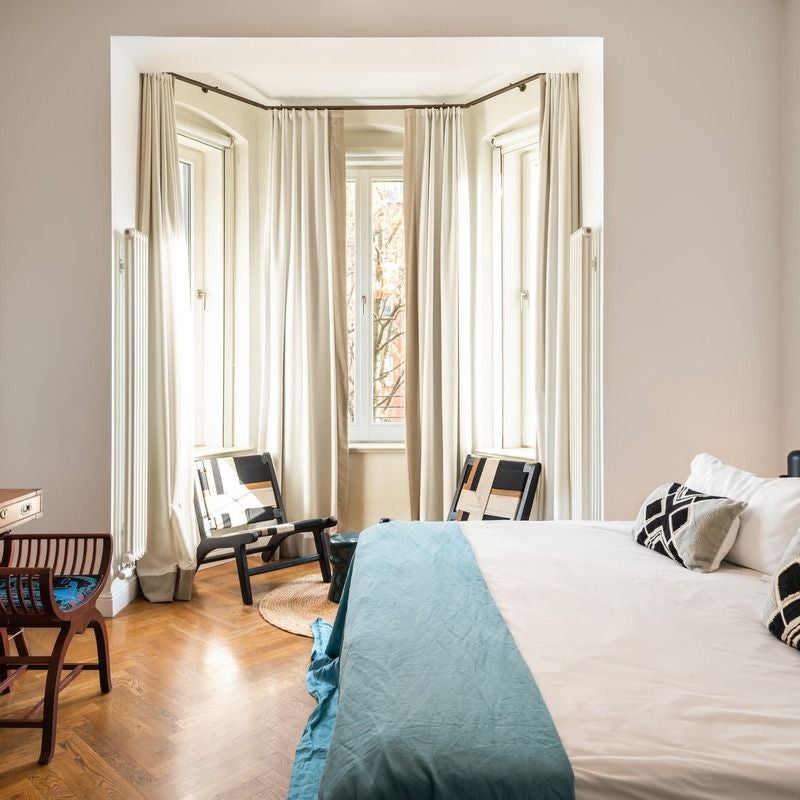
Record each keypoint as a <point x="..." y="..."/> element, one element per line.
<point x="69" y="591"/>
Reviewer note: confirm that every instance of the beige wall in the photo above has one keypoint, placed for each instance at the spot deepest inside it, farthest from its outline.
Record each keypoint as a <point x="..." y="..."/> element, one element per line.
<point x="125" y="97"/>
<point x="591" y="126"/>
<point x="790" y="361"/>
<point x="692" y="96"/>
<point x="378" y="487"/>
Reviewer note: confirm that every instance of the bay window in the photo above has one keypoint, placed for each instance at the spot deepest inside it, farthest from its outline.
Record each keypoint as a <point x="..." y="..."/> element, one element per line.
<point x="376" y="301"/>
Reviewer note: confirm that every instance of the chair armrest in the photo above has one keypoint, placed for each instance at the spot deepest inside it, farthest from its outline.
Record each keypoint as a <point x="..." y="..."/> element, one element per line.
<point x="234" y="537"/>
<point x="304" y="525"/>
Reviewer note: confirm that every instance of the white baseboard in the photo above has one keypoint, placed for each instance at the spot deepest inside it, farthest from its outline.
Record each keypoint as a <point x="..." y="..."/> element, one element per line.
<point x="117" y="594"/>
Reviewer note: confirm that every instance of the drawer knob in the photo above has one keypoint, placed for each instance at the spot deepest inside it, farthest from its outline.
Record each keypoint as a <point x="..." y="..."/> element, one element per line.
<point x="3" y="513"/>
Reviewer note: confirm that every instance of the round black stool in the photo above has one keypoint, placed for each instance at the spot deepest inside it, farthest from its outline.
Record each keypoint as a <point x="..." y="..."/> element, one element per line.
<point x="342" y="548"/>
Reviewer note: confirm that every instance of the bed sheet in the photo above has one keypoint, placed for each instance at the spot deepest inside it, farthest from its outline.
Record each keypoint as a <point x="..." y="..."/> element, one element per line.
<point x="661" y="681"/>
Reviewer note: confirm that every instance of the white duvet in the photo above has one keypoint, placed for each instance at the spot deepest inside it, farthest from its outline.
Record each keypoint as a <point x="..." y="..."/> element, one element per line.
<point x="662" y="682"/>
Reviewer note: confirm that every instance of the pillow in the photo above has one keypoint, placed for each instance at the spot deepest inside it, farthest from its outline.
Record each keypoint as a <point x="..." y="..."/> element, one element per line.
<point x="694" y="529"/>
<point x="782" y="616"/>
<point x="772" y="516"/>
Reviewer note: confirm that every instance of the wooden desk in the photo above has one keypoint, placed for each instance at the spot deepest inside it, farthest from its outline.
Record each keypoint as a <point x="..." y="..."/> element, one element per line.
<point x="18" y="506"/>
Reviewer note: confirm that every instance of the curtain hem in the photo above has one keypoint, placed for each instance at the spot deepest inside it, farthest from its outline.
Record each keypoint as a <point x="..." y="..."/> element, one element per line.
<point x="173" y="585"/>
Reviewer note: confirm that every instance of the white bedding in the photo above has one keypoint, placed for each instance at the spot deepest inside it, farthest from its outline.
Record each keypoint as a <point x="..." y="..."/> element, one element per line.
<point x="662" y="682"/>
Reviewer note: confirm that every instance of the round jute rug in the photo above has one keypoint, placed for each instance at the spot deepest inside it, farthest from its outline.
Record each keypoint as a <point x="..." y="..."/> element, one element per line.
<point x="293" y="606"/>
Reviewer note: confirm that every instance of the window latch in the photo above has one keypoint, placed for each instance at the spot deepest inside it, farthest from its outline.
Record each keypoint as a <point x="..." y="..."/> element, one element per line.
<point x="363" y="304"/>
<point x="523" y="298"/>
<point x="201" y="295"/>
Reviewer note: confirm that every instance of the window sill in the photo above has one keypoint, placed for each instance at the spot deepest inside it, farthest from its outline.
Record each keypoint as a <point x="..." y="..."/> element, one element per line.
<point x="509" y="453"/>
<point x="222" y="452"/>
<point x="377" y="447"/>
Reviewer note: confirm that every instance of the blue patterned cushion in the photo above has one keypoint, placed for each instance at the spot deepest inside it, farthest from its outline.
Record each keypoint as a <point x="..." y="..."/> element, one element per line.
<point x="70" y="591"/>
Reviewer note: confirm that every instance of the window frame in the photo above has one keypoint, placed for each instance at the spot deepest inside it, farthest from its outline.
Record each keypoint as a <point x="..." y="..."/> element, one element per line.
<point x="363" y="428"/>
<point x="514" y="279"/>
<point x="211" y="227"/>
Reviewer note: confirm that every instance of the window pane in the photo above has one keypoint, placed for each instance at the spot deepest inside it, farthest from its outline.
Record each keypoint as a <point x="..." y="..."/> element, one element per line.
<point x="350" y="292"/>
<point x="186" y="201"/>
<point x="530" y="228"/>
<point x="388" y="302"/>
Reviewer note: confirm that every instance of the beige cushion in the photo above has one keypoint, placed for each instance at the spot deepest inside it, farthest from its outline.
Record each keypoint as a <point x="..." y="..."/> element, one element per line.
<point x="694" y="529"/>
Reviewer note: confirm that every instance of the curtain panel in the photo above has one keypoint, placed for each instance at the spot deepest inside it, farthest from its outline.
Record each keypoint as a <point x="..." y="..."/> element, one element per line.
<point x="436" y="205"/>
<point x="559" y="217"/>
<point x="166" y="570"/>
<point x="303" y="418"/>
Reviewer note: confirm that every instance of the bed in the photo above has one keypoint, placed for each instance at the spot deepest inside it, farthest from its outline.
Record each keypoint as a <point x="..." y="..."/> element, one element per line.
<point x="660" y="682"/>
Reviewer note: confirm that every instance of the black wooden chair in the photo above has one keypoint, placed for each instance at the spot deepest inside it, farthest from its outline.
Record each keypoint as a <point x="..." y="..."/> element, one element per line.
<point x="493" y="488"/>
<point x="238" y="503"/>
<point x="51" y="581"/>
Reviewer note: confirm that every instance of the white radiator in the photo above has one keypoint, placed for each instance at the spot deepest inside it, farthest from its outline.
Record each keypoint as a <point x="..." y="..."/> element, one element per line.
<point x="129" y="398"/>
<point x="585" y="375"/>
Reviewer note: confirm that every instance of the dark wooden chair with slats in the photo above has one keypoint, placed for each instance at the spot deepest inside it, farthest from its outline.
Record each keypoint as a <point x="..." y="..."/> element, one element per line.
<point x="240" y="512"/>
<point x="51" y="581"/>
<point x="493" y="488"/>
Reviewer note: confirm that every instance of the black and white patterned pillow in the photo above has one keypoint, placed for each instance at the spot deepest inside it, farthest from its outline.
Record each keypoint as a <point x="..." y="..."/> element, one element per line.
<point x="697" y="530"/>
<point x="782" y="616"/>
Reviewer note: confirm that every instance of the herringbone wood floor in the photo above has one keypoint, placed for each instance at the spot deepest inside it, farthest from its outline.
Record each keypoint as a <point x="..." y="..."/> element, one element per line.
<point x="208" y="703"/>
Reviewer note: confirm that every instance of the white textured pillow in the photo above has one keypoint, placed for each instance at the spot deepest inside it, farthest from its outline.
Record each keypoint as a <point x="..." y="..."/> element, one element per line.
<point x="771" y="518"/>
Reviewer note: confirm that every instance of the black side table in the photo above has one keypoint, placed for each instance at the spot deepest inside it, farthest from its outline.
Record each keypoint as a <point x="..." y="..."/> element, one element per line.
<point x="342" y="548"/>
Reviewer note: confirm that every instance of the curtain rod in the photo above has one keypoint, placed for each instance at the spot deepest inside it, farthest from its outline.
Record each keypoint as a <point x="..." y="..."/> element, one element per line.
<point x="521" y="85"/>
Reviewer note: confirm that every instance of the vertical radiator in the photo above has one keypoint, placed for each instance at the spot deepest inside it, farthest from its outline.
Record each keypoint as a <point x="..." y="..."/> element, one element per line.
<point x="585" y="375"/>
<point x="129" y="399"/>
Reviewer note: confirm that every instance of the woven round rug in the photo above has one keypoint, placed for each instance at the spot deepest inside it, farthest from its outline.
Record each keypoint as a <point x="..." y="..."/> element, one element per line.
<point x="294" y="605"/>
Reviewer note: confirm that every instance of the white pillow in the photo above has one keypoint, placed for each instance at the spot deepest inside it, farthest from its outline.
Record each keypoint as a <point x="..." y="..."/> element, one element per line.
<point x="771" y="518"/>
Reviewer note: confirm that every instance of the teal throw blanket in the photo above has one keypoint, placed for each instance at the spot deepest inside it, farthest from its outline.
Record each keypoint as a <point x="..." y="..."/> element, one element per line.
<point x="422" y="691"/>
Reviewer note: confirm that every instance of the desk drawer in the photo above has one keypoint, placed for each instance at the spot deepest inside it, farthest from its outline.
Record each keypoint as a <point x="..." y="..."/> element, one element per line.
<point x="20" y="511"/>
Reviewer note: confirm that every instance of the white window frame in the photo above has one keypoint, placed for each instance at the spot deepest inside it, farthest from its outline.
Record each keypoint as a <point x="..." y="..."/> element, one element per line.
<point x="211" y="229"/>
<point x="515" y="157"/>
<point x="363" y="429"/>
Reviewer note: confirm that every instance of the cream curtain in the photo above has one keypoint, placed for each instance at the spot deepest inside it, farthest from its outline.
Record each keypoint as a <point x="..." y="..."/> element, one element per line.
<point x="165" y="571"/>
<point x="437" y="262"/>
<point x="559" y="216"/>
<point x="304" y="387"/>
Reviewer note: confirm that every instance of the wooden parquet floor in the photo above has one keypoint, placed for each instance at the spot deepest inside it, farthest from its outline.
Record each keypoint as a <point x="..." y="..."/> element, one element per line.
<point x="208" y="703"/>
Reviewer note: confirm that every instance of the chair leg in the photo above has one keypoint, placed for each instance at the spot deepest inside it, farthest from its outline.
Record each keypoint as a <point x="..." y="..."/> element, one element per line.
<point x="5" y="650"/>
<point x="244" y="576"/>
<point x="7" y="635"/>
<point x="19" y="641"/>
<point x="50" y="710"/>
<point x="98" y="625"/>
<point x="322" y="552"/>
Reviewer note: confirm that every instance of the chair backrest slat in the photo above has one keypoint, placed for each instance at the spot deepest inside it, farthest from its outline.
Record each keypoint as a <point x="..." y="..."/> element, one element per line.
<point x="492" y="488"/>
<point x="29" y="563"/>
<point x="27" y="594"/>
<point x="235" y="492"/>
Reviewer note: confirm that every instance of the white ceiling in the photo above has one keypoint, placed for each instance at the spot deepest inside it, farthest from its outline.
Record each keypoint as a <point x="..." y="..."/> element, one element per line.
<point x="367" y="70"/>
